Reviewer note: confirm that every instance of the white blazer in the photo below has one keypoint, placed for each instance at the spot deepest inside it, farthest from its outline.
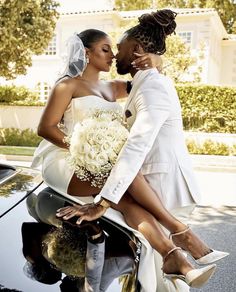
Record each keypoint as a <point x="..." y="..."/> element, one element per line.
<point x="155" y="145"/>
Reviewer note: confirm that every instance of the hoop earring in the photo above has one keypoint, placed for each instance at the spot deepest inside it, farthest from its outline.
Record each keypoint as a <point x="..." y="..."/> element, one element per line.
<point x="87" y="60"/>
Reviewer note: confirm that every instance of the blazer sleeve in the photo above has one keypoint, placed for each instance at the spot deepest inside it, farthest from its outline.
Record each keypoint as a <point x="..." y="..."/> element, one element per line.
<point x="153" y="106"/>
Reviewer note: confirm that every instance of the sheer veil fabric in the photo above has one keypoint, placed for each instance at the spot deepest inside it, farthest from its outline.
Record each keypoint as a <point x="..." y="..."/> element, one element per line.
<point x="75" y="61"/>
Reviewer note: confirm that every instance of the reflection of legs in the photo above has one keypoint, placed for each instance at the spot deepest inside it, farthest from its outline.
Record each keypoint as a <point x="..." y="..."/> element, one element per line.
<point x="140" y="219"/>
<point x="143" y="194"/>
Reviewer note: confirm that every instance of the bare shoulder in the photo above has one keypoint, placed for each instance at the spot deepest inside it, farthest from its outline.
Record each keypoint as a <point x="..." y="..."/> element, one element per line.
<point x="66" y="85"/>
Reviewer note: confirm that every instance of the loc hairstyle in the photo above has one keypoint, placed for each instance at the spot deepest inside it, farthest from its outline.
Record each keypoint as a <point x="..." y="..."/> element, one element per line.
<point x="152" y="30"/>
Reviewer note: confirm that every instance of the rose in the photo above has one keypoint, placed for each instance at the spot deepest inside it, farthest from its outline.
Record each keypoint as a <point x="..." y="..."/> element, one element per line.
<point x="95" y="144"/>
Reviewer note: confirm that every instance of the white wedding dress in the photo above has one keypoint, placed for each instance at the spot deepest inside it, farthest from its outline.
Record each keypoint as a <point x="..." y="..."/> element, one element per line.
<point x="56" y="171"/>
<point x="57" y="174"/>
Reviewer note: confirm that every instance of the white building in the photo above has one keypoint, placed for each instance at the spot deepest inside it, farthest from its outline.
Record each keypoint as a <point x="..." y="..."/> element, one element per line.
<point x="195" y="26"/>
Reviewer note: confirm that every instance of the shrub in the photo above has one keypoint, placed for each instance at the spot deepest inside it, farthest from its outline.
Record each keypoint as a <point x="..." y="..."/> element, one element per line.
<point x="209" y="147"/>
<point x="208" y="108"/>
<point x="18" y="95"/>
<point x="204" y="108"/>
<point x="17" y="137"/>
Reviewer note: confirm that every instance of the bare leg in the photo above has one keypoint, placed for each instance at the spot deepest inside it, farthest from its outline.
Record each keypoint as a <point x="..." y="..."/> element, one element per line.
<point x="144" y="195"/>
<point x="81" y="188"/>
<point x="140" y="219"/>
<point x="141" y="192"/>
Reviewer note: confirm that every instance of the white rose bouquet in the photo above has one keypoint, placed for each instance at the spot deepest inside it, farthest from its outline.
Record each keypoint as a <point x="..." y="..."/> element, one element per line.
<point x="95" y="144"/>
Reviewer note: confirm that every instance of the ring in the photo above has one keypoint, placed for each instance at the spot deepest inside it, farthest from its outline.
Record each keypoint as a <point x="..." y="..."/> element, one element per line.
<point x="146" y="65"/>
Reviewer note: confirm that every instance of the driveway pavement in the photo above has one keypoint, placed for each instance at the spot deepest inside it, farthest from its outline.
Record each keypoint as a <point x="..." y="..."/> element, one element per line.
<point x="217" y="227"/>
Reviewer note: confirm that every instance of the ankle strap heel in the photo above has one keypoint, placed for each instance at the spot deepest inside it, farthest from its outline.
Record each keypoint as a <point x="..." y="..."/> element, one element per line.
<point x="209" y="258"/>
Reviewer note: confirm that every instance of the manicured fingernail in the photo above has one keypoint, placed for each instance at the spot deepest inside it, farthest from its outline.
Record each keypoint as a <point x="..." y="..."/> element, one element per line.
<point x="133" y="63"/>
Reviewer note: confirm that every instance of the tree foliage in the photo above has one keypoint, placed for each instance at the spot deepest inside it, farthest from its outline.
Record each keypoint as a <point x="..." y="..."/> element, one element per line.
<point x="179" y="63"/>
<point x="208" y="108"/>
<point x="225" y="8"/>
<point x="27" y="26"/>
<point x="133" y="4"/>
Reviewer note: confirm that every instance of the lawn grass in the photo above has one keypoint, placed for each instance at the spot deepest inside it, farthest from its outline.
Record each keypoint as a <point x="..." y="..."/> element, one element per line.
<point x="16" y="150"/>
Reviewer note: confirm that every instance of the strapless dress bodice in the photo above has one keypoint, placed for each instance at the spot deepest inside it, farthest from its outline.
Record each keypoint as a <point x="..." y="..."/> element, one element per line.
<point x="80" y="108"/>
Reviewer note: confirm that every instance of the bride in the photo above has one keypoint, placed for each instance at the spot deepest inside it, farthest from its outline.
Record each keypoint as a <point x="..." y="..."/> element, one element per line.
<point x="71" y="100"/>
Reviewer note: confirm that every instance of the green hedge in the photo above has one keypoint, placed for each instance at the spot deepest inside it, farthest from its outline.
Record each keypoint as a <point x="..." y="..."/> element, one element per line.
<point x="208" y="108"/>
<point x="17" y="137"/>
<point x="18" y="95"/>
<point x="209" y="147"/>
<point x="204" y="108"/>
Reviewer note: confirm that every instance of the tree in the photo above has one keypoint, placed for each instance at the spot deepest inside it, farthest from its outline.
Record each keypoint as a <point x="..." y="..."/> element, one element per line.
<point x="27" y="26"/>
<point x="133" y="4"/>
<point x="179" y="63"/>
<point x="225" y="8"/>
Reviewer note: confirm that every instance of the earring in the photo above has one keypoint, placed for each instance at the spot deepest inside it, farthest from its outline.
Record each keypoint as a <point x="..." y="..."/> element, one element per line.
<point x="87" y="59"/>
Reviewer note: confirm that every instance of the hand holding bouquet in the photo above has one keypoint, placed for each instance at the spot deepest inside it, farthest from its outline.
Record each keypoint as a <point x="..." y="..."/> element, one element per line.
<point x="95" y="144"/>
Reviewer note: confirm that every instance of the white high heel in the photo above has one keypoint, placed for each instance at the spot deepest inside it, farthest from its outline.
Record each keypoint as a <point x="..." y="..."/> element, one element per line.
<point x="195" y="278"/>
<point x="211" y="257"/>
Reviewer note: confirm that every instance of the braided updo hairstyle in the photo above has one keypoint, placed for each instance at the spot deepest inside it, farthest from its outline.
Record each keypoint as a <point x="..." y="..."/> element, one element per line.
<point x="152" y="30"/>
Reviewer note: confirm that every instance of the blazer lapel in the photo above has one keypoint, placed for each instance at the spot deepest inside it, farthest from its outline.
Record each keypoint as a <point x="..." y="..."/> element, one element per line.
<point x="135" y="85"/>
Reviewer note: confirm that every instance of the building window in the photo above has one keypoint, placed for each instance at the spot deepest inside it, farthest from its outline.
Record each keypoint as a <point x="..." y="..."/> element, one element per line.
<point x="52" y="47"/>
<point x="43" y="89"/>
<point x="186" y="36"/>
